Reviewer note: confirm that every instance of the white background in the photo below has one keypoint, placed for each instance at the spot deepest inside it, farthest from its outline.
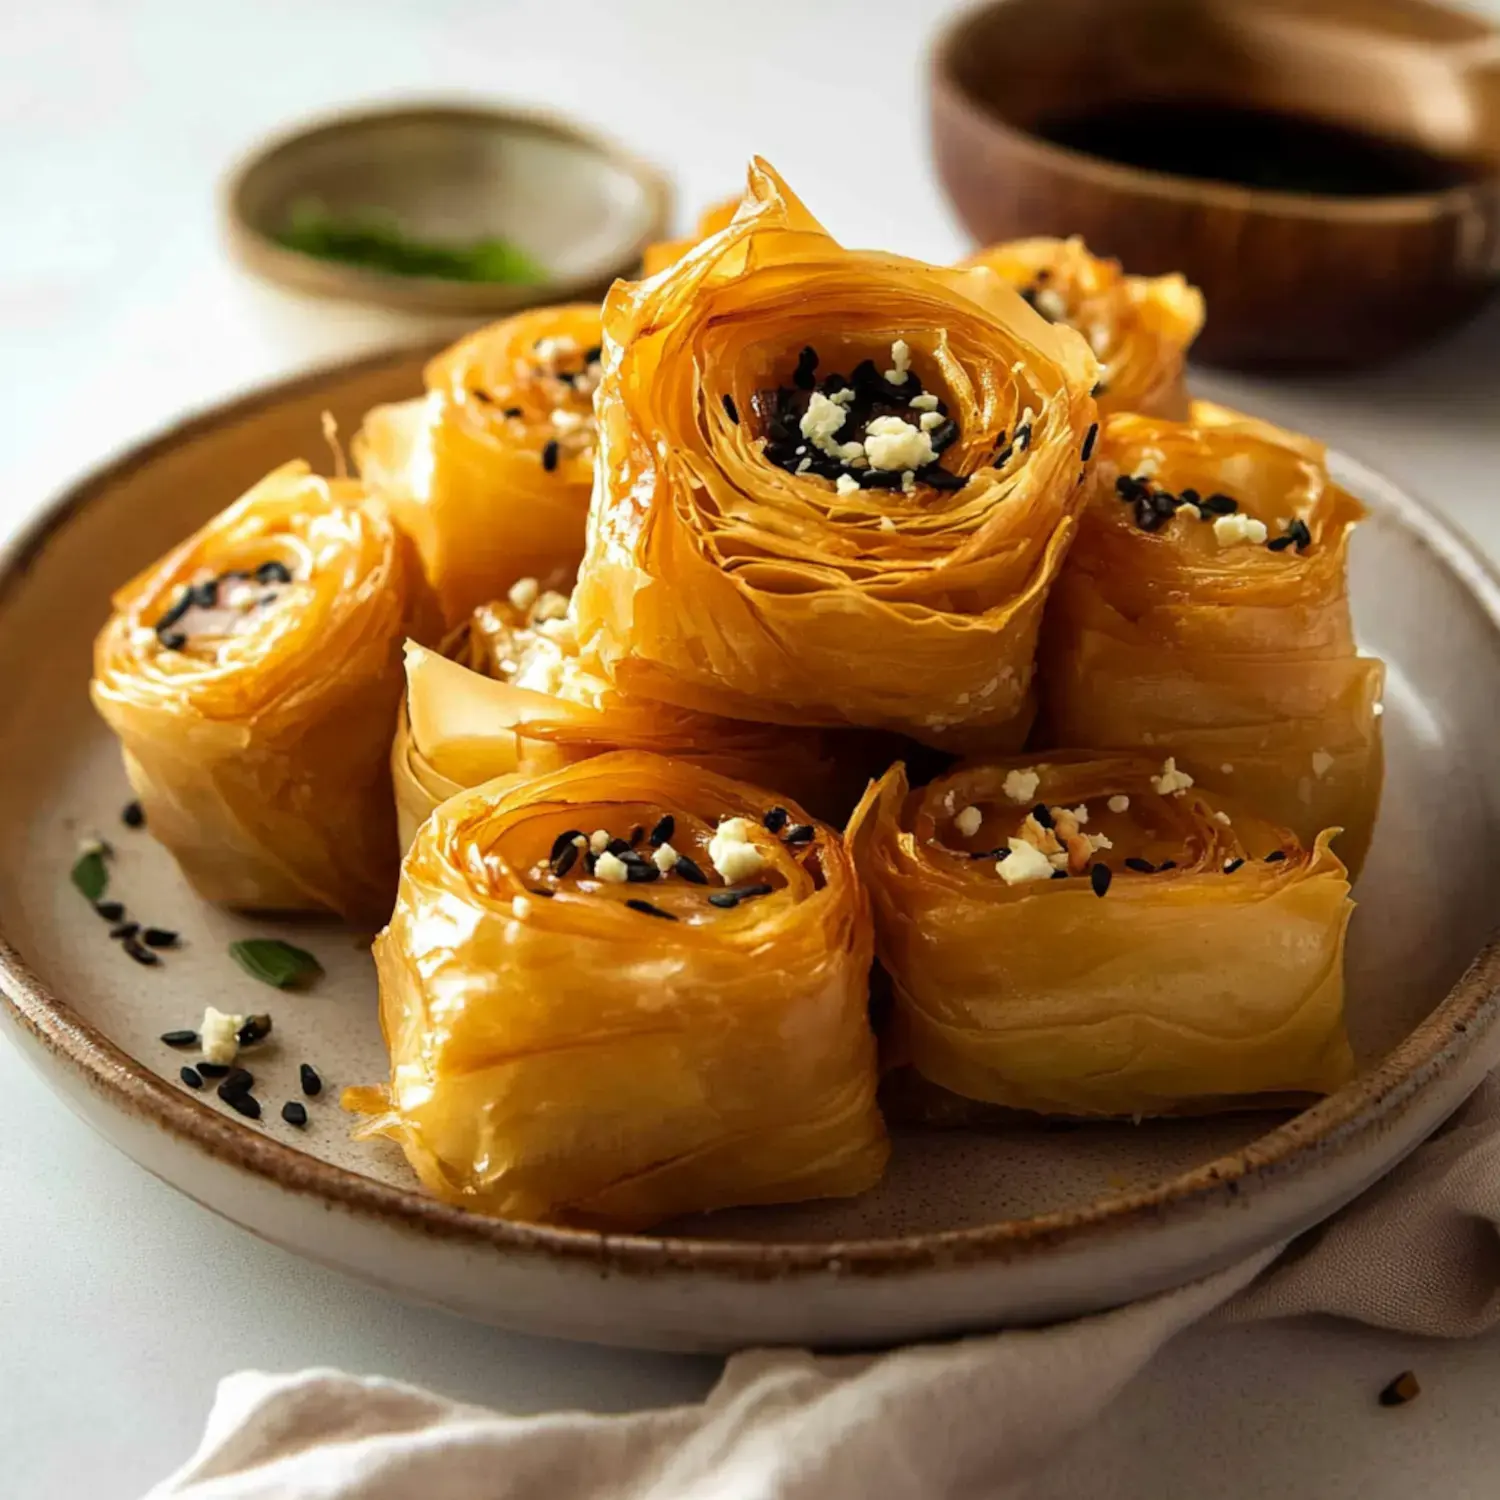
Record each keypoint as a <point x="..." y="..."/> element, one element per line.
<point x="120" y="1302"/>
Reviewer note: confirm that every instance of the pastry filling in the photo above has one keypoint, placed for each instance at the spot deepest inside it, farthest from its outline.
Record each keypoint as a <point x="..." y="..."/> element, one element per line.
<point x="870" y="429"/>
<point x="1153" y="507"/>
<point x="553" y="391"/>
<point x="214" y="606"/>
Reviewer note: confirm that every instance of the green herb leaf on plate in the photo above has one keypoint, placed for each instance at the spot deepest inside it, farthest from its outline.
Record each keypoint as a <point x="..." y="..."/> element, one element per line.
<point x="274" y="962"/>
<point x="90" y="874"/>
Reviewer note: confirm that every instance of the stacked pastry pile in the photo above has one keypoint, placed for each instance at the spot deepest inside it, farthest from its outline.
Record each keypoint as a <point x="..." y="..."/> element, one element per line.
<point x="800" y="607"/>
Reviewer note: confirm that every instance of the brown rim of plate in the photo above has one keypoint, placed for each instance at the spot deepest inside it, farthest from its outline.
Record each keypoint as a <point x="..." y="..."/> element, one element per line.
<point x="1359" y="1111"/>
<point x="945" y="75"/>
<point x="262" y="255"/>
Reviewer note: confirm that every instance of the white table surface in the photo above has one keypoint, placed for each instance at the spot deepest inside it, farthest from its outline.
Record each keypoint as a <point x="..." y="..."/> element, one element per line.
<point x="121" y="1302"/>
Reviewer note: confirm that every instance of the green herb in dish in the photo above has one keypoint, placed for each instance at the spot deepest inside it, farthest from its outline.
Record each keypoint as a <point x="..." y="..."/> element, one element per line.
<point x="274" y="962"/>
<point x="378" y="242"/>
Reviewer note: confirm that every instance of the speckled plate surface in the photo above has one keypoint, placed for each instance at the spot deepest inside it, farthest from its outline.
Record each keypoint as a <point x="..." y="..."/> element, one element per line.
<point x="970" y="1229"/>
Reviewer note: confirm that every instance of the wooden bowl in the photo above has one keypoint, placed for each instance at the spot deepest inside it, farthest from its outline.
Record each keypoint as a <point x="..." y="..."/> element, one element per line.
<point x="580" y="205"/>
<point x="1291" y="279"/>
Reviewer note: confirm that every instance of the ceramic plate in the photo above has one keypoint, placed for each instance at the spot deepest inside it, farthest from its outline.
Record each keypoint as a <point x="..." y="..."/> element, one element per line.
<point x="970" y="1229"/>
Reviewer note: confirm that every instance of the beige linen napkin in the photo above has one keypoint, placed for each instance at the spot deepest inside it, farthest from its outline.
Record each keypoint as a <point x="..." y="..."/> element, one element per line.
<point x="981" y="1416"/>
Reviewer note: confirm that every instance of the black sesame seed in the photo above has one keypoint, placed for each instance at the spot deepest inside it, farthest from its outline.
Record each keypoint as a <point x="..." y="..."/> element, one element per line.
<point x="182" y="604"/>
<point x="1190" y="496"/>
<point x="1023" y="436"/>
<point x="1059" y="874"/>
<point x="636" y="835"/>
<point x="1166" y="864"/>
<point x="617" y="847"/>
<point x="206" y="594"/>
<point x="641" y="874"/>
<point x="159" y="937"/>
<point x="941" y="479"/>
<point x="1098" y="389"/>
<point x="1040" y="813"/>
<point x="564" y="840"/>
<point x="725" y="900"/>
<point x="563" y="860"/>
<point x="236" y="1081"/>
<point x="749" y="892"/>
<point x="213" y="1070"/>
<point x="730" y="409"/>
<point x="645" y="907"/>
<point x="549" y="456"/>
<point x="592" y="353"/>
<point x="1100" y="877"/>
<point x="537" y="890"/>
<point x="294" y="1112"/>
<point x="243" y="1104"/>
<point x="1279" y="543"/>
<point x="807" y="363"/>
<point x="273" y="572"/>
<point x="256" y="1029"/>
<point x="1002" y="458"/>
<point x="801" y="833"/>
<point x="311" y="1083"/>
<point x="191" y="1077"/>
<point x="172" y="640"/>
<point x="1140" y="866"/>
<point x="663" y="831"/>
<point x="133" y="815"/>
<point x="689" y="871"/>
<point x="180" y="1038"/>
<point x="140" y="954"/>
<point x="510" y="411"/>
<point x="1147" y="517"/>
<point x="124" y="930"/>
<point x="1300" y="534"/>
<point x="1232" y="866"/>
<point x="1164" y="503"/>
<point x="1130" y="488"/>
<point x="111" y="911"/>
<point x="879" y="479"/>
<point x="944" y="435"/>
<point x="1275" y="856"/>
<point x="1088" y="443"/>
<point x="1218" y="504"/>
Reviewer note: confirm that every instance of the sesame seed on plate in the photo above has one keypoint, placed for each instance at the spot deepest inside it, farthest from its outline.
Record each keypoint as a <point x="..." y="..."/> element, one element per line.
<point x="312" y="1084"/>
<point x="191" y="1077"/>
<point x="645" y="907"/>
<point x="182" y="1038"/>
<point x="294" y="1112"/>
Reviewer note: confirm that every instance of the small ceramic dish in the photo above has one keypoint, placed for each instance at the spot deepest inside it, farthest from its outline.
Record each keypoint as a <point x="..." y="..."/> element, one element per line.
<point x="971" y="1227"/>
<point x="579" y="206"/>
<point x="1291" y="279"/>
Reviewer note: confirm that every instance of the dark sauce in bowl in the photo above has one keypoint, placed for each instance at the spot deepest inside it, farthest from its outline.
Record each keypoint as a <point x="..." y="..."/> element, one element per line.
<point x="1213" y="141"/>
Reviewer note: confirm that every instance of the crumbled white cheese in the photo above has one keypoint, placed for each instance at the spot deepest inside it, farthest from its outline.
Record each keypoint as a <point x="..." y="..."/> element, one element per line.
<point x="846" y="484"/>
<point x="523" y="592"/>
<point x="547" y="350"/>
<point x="1020" y="786"/>
<point x="599" y="840"/>
<point x="1222" y="817"/>
<point x="561" y="631"/>
<point x="565" y="420"/>
<point x="925" y="402"/>
<point x="893" y="443"/>
<point x="1025" y="862"/>
<point x="92" y="845"/>
<point x="1119" y="803"/>
<point x="844" y="397"/>
<point x="612" y="868"/>
<point x="968" y="821"/>
<point x="219" y="1036"/>
<point x="1229" y="531"/>
<point x="551" y="606"/>
<point x="929" y="420"/>
<point x="1187" y="508"/>
<point x="900" y="363"/>
<point x="520" y="906"/>
<point x="1080" y="813"/>
<point x="1171" y="779"/>
<point x="821" y="420"/>
<point x="664" y="858"/>
<point x="1322" y="763"/>
<point x="1050" y="304"/>
<point x="908" y="481"/>
<point x="732" y="854"/>
<point x="1098" y="841"/>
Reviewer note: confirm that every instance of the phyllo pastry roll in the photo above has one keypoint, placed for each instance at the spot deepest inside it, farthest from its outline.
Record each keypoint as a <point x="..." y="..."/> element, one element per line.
<point x="1091" y="936"/>
<point x="834" y="486"/>
<point x="508" y="696"/>
<point x="253" y="675"/>
<point x="1139" y="327"/>
<point x="1205" y="608"/>
<point x="490" y="471"/>
<point x="625" y="991"/>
